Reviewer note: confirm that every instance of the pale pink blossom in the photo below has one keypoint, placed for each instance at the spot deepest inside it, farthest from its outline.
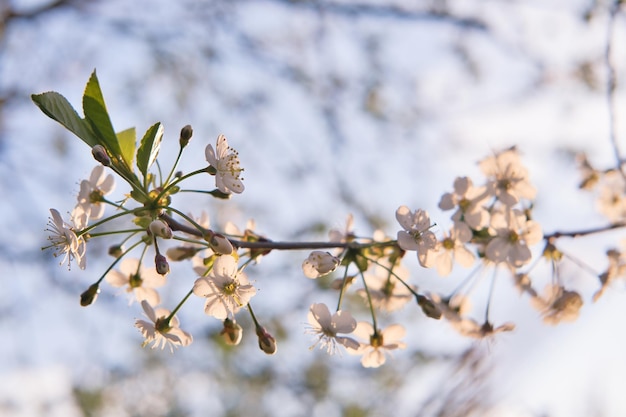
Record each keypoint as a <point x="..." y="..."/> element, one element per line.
<point x="616" y="270"/>
<point x="450" y="249"/>
<point x="138" y="280"/>
<point x="416" y="234"/>
<point x="472" y="328"/>
<point x="468" y="201"/>
<point x="507" y="178"/>
<point x="64" y="239"/>
<point x="319" y="264"/>
<point x="328" y="328"/>
<point x="514" y="233"/>
<point x="225" y="160"/>
<point x="93" y="190"/>
<point x="159" y="331"/>
<point x="379" y="343"/>
<point x="225" y="288"/>
<point x="385" y="289"/>
<point x="612" y="197"/>
<point x="557" y="304"/>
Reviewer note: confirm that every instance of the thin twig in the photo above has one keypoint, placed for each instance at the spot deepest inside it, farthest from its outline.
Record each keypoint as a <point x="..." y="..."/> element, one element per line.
<point x="269" y="244"/>
<point x="612" y="86"/>
<point x="584" y="232"/>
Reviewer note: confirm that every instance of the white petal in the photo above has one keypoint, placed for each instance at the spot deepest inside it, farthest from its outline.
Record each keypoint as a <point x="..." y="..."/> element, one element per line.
<point x="319" y="315"/>
<point x="210" y="156"/>
<point x="343" y="322"/>
<point x="404" y="217"/>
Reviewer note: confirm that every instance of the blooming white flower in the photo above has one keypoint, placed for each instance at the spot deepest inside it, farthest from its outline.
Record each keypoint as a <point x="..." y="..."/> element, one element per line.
<point x="93" y="190"/>
<point x="248" y="235"/>
<point x="319" y="264"/>
<point x="471" y="328"/>
<point x="65" y="240"/>
<point x="452" y="248"/>
<point x="226" y="288"/>
<point x="159" y="331"/>
<point x="558" y="304"/>
<point x="346" y="235"/>
<point x="139" y="280"/>
<point x="615" y="270"/>
<point x="590" y="175"/>
<point x="416" y="234"/>
<point x="225" y="160"/>
<point x="514" y="233"/>
<point x="508" y="179"/>
<point x="453" y="308"/>
<point x="327" y="328"/>
<point x="469" y="202"/>
<point x="611" y="200"/>
<point x="385" y="290"/>
<point x="380" y="343"/>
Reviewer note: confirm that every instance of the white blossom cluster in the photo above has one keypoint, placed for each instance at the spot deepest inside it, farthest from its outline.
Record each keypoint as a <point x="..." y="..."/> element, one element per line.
<point x="492" y="228"/>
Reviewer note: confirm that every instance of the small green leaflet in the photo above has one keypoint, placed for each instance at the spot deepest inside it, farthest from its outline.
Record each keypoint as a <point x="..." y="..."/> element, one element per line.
<point x="149" y="148"/>
<point x="56" y="107"/>
<point x="128" y="141"/>
<point x="96" y="114"/>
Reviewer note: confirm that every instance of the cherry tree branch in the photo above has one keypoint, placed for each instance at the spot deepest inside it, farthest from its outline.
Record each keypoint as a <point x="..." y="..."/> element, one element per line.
<point x="584" y="232"/>
<point x="269" y="244"/>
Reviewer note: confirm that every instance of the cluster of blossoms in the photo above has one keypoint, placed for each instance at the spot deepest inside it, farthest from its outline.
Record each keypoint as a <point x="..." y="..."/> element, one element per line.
<point x="491" y="228"/>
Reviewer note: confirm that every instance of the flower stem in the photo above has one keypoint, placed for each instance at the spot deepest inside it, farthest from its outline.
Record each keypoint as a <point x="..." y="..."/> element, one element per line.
<point x="369" y="301"/>
<point x="179" y="305"/>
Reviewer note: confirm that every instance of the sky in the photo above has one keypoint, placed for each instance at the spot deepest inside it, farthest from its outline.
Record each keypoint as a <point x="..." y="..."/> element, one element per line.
<point x="338" y="108"/>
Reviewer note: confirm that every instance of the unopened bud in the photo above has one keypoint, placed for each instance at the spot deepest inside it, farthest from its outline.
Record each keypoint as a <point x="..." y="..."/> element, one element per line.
<point x="219" y="243"/>
<point x="162" y="267"/>
<point x="100" y="155"/>
<point x="428" y="307"/>
<point x="89" y="296"/>
<point x="116" y="251"/>
<point x="267" y="343"/>
<point x="217" y="193"/>
<point x="161" y="229"/>
<point x="185" y="135"/>
<point x="180" y="253"/>
<point x="231" y="333"/>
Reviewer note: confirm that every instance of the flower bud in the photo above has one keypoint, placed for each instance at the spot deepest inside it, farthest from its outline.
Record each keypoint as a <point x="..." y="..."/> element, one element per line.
<point x="231" y="333"/>
<point x="267" y="343"/>
<point x="116" y="251"/>
<point x="217" y="193"/>
<point x="319" y="264"/>
<point x="162" y="267"/>
<point x="219" y="243"/>
<point x="100" y="155"/>
<point x="89" y="296"/>
<point x="428" y="307"/>
<point x="161" y="229"/>
<point x="180" y="253"/>
<point x="185" y="135"/>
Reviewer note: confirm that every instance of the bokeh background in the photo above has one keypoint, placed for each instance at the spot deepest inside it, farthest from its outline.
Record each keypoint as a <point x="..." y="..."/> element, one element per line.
<point x="336" y="107"/>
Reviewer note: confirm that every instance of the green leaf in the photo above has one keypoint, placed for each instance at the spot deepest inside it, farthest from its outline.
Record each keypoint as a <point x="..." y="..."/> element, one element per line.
<point x="128" y="141"/>
<point x="149" y="148"/>
<point x="96" y="114"/>
<point x="56" y="107"/>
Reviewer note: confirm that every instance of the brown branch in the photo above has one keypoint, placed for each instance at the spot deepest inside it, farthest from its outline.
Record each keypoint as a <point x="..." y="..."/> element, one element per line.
<point x="584" y="232"/>
<point x="269" y="244"/>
